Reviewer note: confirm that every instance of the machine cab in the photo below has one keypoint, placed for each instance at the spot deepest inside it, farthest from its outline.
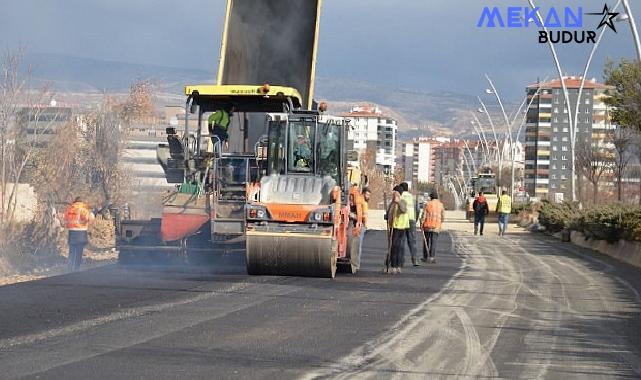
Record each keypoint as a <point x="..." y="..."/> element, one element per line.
<point x="305" y="162"/>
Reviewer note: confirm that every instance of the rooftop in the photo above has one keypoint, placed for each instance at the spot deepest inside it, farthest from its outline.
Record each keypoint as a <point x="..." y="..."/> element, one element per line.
<point x="571" y="82"/>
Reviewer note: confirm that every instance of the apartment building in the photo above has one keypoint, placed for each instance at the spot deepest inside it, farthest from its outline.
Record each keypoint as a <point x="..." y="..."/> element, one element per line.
<point x="548" y="140"/>
<point x="370" y="125"/>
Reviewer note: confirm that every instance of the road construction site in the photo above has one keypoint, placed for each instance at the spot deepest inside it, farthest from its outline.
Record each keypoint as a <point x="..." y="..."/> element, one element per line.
<point x="524" y="305"/>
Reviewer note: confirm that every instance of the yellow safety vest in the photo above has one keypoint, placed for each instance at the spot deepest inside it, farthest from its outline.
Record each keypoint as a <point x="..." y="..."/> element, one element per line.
<point x="219" y="119"/>
<point x="409" y="200"/>
<point x="505" y="204"/>
<point x="401" y="220"/>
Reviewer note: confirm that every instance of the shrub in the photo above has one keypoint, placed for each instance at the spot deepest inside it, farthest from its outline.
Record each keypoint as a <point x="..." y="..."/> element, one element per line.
<point x="558" y="216"/>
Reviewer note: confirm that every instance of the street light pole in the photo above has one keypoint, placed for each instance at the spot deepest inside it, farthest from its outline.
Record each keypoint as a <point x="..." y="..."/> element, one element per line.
<point x="509" y="131"/>
<point x="633" y="28"/>
<point x="496" y="140"/>
<point x="481" y="133"/>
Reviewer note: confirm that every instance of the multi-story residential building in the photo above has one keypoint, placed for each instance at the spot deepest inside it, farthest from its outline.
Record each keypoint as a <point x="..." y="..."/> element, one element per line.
<point x="418" y="160"/>
<point x="369" y="124"/>
<point x="449" y="161"/>
<point x="548" y="149"/>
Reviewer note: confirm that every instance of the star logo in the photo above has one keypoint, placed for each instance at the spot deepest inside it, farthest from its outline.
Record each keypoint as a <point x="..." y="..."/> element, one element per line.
<point x="608" y="18"/>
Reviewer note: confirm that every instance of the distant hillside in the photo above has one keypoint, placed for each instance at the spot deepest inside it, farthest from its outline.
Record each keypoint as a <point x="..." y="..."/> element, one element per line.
<point x="75" y="74"/>
<point x="420" y="113"/>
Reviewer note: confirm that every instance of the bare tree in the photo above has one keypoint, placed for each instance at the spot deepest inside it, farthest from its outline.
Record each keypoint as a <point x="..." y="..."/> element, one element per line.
<point x="593" y="161"/>
<point x="622" y="138"/>
<point x="21" y="131"/>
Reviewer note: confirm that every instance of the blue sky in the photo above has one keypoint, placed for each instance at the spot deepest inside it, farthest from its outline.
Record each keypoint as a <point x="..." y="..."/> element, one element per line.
<point x="419" y="44"/>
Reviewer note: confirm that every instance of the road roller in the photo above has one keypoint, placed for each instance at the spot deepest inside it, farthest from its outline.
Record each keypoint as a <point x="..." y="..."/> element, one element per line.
<point x="299" y="220"/>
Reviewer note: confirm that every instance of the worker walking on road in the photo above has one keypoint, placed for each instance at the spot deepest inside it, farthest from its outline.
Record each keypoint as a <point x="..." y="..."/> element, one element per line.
<point x="481" y="210"/>
<point x="433" y="218"/>
<point x="77" y="217"/>
<point x="218" y="123"/>
<point x="504" y="208"/>
<point x="398" y="222"/>
<point x="411" y="212"/>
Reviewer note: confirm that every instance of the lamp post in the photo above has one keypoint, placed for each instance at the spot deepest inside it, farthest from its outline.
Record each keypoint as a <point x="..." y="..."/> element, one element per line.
<point x="573" y="120"/>
<point x="629" y="16"/>
<point x="483" y="109"/>
<point x="481" y="133"/>
<point x="509" y="131"/>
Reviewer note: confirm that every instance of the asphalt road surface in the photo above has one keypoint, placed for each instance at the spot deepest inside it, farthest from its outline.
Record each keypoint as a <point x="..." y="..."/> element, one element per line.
<point x="521" y="306"/>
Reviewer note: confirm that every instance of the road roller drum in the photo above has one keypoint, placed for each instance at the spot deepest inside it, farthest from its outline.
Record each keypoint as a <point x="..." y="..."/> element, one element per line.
<point x="290" y="254"/>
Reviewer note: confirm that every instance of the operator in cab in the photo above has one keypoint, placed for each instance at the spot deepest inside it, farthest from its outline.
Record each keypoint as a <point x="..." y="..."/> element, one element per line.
<point x="302" y="153"/>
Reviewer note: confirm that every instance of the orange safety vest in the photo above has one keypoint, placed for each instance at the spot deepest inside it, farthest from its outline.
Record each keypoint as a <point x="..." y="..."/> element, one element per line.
<point x="433" y="212"/>
<point x="77" y="216"/>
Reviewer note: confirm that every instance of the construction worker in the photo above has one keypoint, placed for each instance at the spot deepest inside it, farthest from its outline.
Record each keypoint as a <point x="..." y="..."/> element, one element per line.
<point x="398" y="222"/>
<point x="433" y="218"/>
<point x="481" y="210"/>
<point x="411" y="212"/>
<point x="504" y="208"/>
<point x="356" y="203"/>
<point x="366" y="194"/>
<point x="77" y="217"/>
<point x="218" y="123"/>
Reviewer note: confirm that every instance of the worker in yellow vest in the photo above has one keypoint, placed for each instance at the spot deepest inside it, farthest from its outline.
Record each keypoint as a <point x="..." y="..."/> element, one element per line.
<point x="397" y="222"/>
<point x="433" y="217"/>
<point x="218" y="123"/>
<point x="411" y="212"/>
<point x="504" y="209"/>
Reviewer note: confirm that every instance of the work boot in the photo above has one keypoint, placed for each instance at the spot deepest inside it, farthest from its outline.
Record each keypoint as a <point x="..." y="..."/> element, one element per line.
<point x="476" y="232"/>
<point x="424" y="259"/>
<point x="414" y="263"/>
<point x="432" y="260"/>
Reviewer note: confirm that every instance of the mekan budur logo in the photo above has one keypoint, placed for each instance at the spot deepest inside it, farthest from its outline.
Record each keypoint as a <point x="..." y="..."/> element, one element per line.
<point x="560" y="19"/>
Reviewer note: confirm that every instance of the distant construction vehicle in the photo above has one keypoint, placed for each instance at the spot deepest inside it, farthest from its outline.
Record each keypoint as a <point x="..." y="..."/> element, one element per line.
<point x="484" y="181"/>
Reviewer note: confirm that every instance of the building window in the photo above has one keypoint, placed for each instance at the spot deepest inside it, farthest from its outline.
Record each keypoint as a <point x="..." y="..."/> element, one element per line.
<point x="563" y="167"/>
<point x="587" y="110"/>
<point x="553" y="167"/>
<point x="563" y="177"/>
<point x="565" y="109"/>
<point x="556" y="109"/>
<point x="564" y="158"/>
<point x="564" y="148"/>
<point x="556" y="129"/>
<point x="553" y="185"/>
<point x="555" y="139"/>
<point x="554" y="148"/>
<point x="564" y="139"/>
<point x="587" y="100"/>
<point x="553" y="176"/>
<point x="565" y="129"/>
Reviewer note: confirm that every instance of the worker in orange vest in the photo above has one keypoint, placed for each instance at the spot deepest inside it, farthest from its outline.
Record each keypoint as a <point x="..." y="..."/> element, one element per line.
<point x="433" y="217"/>
<point x="77" y="217"/>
